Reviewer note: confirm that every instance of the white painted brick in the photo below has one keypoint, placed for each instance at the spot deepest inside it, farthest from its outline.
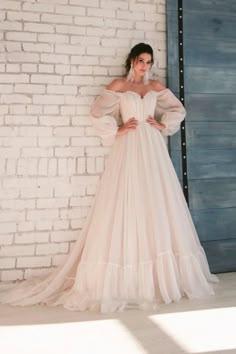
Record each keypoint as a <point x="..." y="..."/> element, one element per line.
<point x="114" y="4"/>
<point x="83" y="141"/>
<point x="90" y="3"/>
<point x="6" y="88"/>
<point x="24" y="226"/>
<point x="53" y="38"/>
<point x="9" y="152"/>
<point x="10" y="78"/>
<point x="81" y="201"/>
<point x="84" y="60"/>
<point x="78" y="80"/>
<point x="33" y="273"/>
<point x="52" y="203"/>
<point x="32" y="237"/>
<point x="145" y="26"/>
<point x="118" y="23"/>
<point x="71" y="10"/>
<point x="47" y="79"/>
<point x="81" y="70"/>
<point x="42" y="214"/>
<point x="57" y="89"/>
<point x="77" y="224"/>
<point x="11" y="171"/>
<point x="37" y="152"/>
<point x="50" y="110"/>
<point x="44" y="225"/>
<point x="9" y="5"/>
<point x="9" y="251"/>
<point x="35" y="131"/>
<point x="34" y="262"/>
<point x="69" y="152"/>
<point x="52" y="167"/>
<point x="11" y="26"/>
<point x="54" y="120"/>
<point x="61" y="225"/>
<point x="7" y="227"/>
<point x="55" y="58"/>
<point x="45" y="99"/>
<point x="55" y="1"/>
<point x="52" y="248"/>
<point x="6" y="239"/>
<point x="70" y="29"/>
<point x="21" y="120"/>
<point x="13" y="68"/>
<point x="21" y="36"/>
<point x="39" y="27"/>
<point x="81" y="165"/>
<point x="56" y="19"/>
<point x="23" y="57"/>
<point x="38" y="7"/>
<point x="27" y="88"/>
<point x="40" y="47"/>
<point x="17" y="109"/>
<point x="27" y="167"/>
<point x="3" y="109"/>
<point x="62" y="69"/>
<point x="9" y="193"/>
<point x="81" y="121"/>
<point x="130" y="15"/>
<point x="11" y="275"/>
<point x="36" y="192"/>
<point x="69" y="49"/>
<point x="13" y="47"/>
<point x="64" y="236"/>
<point x="68" y="131"/>
<point x="89" y="21"/>
<point x="29" y="68"/>
<point x="85" y="41"/>
<point x="16" y="98"/>
<point x="23" y="16"/>
<point x="101" y="32"/>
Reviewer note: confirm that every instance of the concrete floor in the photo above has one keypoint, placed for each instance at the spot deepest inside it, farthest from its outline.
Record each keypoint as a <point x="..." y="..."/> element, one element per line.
<point x="198" y="326"/>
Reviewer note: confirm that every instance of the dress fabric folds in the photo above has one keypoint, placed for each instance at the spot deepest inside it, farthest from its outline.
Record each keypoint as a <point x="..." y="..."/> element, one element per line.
<point x="138" y="246"/>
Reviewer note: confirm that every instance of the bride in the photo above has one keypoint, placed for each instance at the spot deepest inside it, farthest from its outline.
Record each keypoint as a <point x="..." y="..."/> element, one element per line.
<point x="138" y="246"/>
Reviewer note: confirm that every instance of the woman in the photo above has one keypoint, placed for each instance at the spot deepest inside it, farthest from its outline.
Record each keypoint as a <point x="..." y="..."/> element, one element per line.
<point x="138" y="246"/>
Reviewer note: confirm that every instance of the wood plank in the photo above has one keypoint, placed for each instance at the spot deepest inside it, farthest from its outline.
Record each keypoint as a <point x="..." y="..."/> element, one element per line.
<point x="215" y="224"/>
<point x="201" y="52"/>
<point x="210" y="107"/>
<point x="204" y="25"/>
<point x="217" y="7"/>
<point x="221" y="255"/>
<point x="211" y="135"/>
<point x="212" y="193"/>
<point x="205" y="163"/>
<point x="210" y="80"/>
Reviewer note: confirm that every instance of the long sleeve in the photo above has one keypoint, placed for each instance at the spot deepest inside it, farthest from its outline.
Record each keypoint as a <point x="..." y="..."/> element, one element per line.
<point x="169" y="111"/>
<point x="105" y="116"/>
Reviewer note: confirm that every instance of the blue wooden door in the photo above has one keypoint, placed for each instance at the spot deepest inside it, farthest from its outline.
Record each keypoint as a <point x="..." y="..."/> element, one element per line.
<point x="209" y="30"/>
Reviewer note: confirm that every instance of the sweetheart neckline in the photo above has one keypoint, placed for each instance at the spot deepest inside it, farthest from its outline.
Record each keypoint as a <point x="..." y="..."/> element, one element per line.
<point x="137" y="94"/>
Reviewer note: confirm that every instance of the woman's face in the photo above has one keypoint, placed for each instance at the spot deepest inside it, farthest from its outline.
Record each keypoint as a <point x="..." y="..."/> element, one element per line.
<point x="142" y="64"/>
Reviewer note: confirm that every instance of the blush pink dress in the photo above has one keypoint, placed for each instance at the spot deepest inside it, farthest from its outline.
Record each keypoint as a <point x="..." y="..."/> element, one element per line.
<point x="138" y="246"/>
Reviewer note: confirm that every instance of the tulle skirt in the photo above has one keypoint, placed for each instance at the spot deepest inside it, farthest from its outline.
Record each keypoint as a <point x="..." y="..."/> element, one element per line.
<point x="138" y="247"/>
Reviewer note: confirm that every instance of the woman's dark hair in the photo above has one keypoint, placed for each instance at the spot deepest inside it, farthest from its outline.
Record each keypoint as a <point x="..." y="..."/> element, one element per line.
<point x="135" y="52"/>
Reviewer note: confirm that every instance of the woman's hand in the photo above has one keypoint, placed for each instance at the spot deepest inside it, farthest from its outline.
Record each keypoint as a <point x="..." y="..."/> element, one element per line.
<point x="155" y="124"/>
<point x="131" y="124"/>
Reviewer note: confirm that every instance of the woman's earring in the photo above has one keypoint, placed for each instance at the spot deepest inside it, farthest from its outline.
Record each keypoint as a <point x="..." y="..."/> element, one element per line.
<point x="130" y="76"/>
<point x="146" y="78"/>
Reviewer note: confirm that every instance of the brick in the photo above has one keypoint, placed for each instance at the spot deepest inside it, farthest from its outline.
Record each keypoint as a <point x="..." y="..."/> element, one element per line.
<point x="11" y="26"/>
<point x="87" y="3"/>
<point x="53" y="38"/>
<point x="45" y="99"/>
<point x="44" y="225"/>
<point x="7" y="227"/>
<point x="69" y="49"/>
<point x="42" y="214"/>
<point x="38" y="47"/>
<point x="71" y="29"/>
<point x="38" y="7"/>
<point x="52" y="248"/>
<point x="71" y="10"/>
<point x="66" y="90"/>
<point x="114" y="4"/>
<point x="56" y="19"/>
<point x="10" y="171"/>
<point x="15" y="98"/>
<point x="55" y="58"/>
<point x="23" y="16"/>
<point x="37" y="152"/>
<point x="62" y="69"/>
<point x="61" y="225"/>
<point x="10" y="78"/>
<point x="38" y="27"/>
<point x="21" y="120"/>
<point x="6" y="239"/>
<point x="52" y="203"/>
<point x="47" y="79"/>
<point x="54" y="120"/>
<point x="50" y="110"/>
<point x="43" y="167"/>
<point x="89" y="21"/>
<point x="69" y="152"/>
<point x="33" y="262"/>
<point x="64" y="236"/>
<point x="11" y="275"/>
<point x="9" y="5"/>
<point x="27" y="167"/>
<point x="32" y="237"/>
<point x="13" y="68"/>
<point x="83" y="141"/>
<point x="24" y="226"/>
<point x="58" y="259"/>
<point x="27" y="88"/>
<point x="21" y="36"/>
<point x="10" y="251"/>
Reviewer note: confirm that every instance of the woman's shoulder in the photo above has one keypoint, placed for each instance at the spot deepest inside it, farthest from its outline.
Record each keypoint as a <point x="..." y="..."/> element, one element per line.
<point x="116" y="85"/>
<point x="157" y="86"/>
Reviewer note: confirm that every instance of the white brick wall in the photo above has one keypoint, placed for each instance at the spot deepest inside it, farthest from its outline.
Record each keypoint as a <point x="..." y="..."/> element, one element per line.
<point x="55" y="56"/>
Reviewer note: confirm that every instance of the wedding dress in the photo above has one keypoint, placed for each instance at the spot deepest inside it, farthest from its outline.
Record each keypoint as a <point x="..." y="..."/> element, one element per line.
<point x="138" y="246"/>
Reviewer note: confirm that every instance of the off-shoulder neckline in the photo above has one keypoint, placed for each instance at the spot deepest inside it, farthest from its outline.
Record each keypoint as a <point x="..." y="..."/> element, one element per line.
<point x="137" y="94"/>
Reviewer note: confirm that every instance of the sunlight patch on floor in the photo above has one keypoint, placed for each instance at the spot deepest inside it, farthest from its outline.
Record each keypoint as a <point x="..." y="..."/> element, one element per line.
<point x="200" y="331"/>
<point x="105" y="337"/>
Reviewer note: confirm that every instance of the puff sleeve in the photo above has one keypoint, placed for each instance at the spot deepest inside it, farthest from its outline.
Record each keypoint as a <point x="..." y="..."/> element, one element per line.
<point x="169" y="111"/>
<point x="105" y="116"/>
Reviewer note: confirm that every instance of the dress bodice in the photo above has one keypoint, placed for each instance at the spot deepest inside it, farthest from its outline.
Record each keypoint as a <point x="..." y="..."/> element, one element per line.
<point x="133" y="105"/>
